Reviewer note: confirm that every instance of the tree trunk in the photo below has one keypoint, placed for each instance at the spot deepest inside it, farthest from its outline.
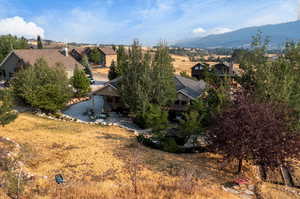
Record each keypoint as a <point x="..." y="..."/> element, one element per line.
<point x="286" y="176"/>
<point x="262" y="172"/>
<point x="240" y="166"/>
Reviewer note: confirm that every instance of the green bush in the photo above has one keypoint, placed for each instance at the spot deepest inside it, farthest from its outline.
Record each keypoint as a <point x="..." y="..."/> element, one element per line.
<point x="170" y="145"/>
<point x="42" y="87"/>
<point x="7" y="114"/>
<point x="154" y="118"/>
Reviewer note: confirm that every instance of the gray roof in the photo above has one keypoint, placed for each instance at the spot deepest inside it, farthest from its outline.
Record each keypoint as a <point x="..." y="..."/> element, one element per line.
<point x="189" y="87"/>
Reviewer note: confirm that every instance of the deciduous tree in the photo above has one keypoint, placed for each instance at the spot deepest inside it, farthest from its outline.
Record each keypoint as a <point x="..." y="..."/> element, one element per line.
<point x="256" y="131"/>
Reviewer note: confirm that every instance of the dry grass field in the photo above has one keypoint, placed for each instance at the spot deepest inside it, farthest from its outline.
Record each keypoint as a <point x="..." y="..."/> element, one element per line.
<point x="106" y="162"/>
<point x="182" y="64"/>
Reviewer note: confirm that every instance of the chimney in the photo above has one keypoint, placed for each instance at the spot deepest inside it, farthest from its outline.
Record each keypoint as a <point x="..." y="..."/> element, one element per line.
<point x="65" y="51"/>
<point x="298" y="10"/>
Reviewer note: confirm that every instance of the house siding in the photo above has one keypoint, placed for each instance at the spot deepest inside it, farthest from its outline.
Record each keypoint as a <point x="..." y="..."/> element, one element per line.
<point x="109" y="59"/>
<point x="11" y="65"/>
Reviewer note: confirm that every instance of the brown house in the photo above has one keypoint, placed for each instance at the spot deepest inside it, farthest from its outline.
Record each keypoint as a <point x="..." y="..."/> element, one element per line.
<point x="18" y="59"/>
<point x="79" y="52"/>
<point x="187" y="91"/>
<point x="107" y="54"/>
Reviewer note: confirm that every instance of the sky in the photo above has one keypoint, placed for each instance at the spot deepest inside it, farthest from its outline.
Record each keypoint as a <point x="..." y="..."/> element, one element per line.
<point x="150" y="21"/>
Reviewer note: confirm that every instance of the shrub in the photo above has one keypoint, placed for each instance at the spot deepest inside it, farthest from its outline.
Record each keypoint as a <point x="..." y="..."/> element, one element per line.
<point x="191" y="125"/>
<point x="7" y="114"/>
<point x="154" y="118"/>
<point x="170" y="145"/>
<point x="42" y="87"/>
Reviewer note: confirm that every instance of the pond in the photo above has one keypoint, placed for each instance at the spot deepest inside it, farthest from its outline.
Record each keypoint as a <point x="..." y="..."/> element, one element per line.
<point x="77" y="110"/>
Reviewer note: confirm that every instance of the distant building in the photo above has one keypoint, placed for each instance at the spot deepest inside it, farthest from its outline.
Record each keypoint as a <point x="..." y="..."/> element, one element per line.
<point x="107" y="54"/>
<point x="221" y="69"/>
<point x="198" y="70"/>
<point x="18" y="59"/>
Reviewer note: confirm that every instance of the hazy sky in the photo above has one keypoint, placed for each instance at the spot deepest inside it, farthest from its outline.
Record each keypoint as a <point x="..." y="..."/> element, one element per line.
<point x="121" y="21"/>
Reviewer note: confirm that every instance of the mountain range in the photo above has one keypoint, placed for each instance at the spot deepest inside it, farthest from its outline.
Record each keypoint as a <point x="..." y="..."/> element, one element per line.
<point x="278" y="34"/>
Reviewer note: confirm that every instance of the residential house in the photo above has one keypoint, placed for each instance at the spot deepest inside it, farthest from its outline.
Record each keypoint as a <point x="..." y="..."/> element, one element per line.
<point x="198" y="70"/>
<point x="221" y="69"/>
<point x="18" y="59"/>
<point x="108" y="56"/>
<point x="187" y="91"/>
<point x="78" y="53"/>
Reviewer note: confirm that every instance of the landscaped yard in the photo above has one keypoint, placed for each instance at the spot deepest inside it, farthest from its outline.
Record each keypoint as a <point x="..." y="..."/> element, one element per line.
<point x="98" y="162"/>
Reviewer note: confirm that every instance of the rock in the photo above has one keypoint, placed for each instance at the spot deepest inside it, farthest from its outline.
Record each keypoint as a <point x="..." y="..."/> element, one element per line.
<point x="246" y="196"/>
<point x="251" y="187"/>
<point x="249" y="192"/>
<point x="230" y="190"/>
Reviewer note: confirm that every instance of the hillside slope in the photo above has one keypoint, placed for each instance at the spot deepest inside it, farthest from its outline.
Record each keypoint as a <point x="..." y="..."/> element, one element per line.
<point x="278" y="33"/>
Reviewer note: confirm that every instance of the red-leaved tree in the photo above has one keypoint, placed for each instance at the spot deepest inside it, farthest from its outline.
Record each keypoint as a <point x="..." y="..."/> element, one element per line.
<point x="260" y="132"/>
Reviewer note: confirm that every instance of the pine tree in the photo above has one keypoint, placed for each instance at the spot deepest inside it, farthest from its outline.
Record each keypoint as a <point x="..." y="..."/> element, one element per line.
<point x="162" y="76"/>
<point x="80" y="82"/>
<point x="39" y="42"/>
<point x="113" y="73"/>
<point x="122" y="59"/>
<point x="136" y="80"/>
<point x="87" y="68"/>
<point x="7" y="115"/>
<point x="42" y="87"/>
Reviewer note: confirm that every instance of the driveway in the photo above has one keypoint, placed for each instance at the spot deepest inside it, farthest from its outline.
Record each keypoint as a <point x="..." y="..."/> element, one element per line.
<point x="100" y="76"/>
<point x="77" y="110"/>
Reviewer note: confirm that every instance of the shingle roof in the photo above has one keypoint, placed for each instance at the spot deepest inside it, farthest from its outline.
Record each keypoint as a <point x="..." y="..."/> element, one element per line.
<point x="81" y="50"/>
<point x="51" y="56"/>
<point x="107" y="50"/>
<point x="189" y="87"/>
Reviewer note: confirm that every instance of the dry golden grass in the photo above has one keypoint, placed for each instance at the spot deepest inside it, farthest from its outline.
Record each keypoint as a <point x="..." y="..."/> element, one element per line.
<point x="182" y="64"/>
<point x="96" y="161"/>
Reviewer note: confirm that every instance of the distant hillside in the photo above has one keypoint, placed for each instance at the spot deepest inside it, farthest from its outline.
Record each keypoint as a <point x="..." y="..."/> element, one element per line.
<point x="279" y="33"/>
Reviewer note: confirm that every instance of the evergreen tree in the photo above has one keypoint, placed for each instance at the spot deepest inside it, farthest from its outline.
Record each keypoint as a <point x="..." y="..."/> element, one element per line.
<point x="95" y="56"/>
<point x="122" y="59"/>
<point x="162" y="76"/>
<point x="7" y="115"/>
<point x="113" y="73"/>
<point x="87" y="68"/>
<point x="42" y="87"/>
<point x="136" y="81"/>
<point x="85" y="61"/>
<point x="80" y="82"/>
<point x="39" y="42"/>
<point x="9" y="42"/>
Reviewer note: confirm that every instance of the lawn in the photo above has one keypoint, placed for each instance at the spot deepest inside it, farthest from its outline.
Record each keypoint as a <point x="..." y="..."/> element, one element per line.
<point x="107" y="162"/>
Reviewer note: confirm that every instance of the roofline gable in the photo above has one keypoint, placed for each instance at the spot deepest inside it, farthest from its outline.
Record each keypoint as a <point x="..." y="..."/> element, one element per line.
<point x="7" y="56"/>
